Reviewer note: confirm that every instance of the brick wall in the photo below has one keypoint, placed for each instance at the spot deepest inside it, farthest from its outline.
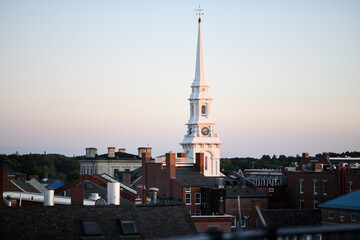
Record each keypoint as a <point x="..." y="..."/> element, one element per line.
<point x="212" y="223"/>
<point x="308" y="197"/>
<point x="334" y="216"/>
<point x="247" y="206"/>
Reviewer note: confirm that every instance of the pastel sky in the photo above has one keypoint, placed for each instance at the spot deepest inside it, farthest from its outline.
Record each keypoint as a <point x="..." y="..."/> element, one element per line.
<point x="284" y="75"/>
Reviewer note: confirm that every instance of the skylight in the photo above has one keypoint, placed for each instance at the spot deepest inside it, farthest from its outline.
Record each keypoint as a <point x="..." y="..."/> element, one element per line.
<point x="91" y="228"/>
<point x="128" y="227"/>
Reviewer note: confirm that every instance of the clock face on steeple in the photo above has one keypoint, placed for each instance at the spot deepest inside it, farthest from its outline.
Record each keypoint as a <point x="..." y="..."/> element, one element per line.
<point x="205" y="131"/>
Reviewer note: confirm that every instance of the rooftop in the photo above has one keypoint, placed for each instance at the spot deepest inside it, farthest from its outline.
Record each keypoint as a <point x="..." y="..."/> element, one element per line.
<point x="349" y="201"/>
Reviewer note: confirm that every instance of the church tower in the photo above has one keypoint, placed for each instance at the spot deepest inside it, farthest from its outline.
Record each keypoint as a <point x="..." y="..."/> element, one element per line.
<point x="201" y="135"/>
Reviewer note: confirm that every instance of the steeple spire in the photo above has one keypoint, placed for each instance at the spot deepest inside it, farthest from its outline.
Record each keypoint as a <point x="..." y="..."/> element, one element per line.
<point x="200" y="79"/>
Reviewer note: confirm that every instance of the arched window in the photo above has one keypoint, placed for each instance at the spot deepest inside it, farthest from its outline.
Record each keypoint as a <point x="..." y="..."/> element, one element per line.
<point x="203" y="109"/>
<point x="206" y="162"/>
<point x="192" y="110"/>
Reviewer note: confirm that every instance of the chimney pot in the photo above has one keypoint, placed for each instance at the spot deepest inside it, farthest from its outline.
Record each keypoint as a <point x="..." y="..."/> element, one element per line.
<point x="142" y="150"/>
<point x="122" y="150"/>
<point x="305" y="155"/>
<point x="111" y="152"/>
<point x="91" y="152"/>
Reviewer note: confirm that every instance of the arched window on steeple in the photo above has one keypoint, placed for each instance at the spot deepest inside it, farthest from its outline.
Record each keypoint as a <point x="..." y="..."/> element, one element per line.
<point x="203" y="110"/>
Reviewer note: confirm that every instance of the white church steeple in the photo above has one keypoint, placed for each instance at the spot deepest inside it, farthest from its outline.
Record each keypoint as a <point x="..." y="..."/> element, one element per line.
<point x="201" y="135"/>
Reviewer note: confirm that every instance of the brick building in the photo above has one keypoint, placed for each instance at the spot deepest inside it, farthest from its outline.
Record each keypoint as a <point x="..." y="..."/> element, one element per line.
<point x="341" y="210"/>
<point x="320" y="179"/>
<point x="203" y="196"/>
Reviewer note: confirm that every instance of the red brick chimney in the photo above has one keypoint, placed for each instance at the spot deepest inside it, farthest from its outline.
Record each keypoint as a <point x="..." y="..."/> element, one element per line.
<point x="326" y="155"/>
<point x="170" y="171"/>
<point x="145" y="159"/>
<point x="77" y="195"/>
<point x="305" y="155"/>
<point x="181" y="155"/>
<point x="126" y="178"/>
<point x="33" y="176"/>
<point x="200" y="162"/>
<point x="221" y="206"/>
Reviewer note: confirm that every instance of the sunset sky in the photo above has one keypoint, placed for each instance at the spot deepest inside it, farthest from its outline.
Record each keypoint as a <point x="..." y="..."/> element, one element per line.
<point x="284" y="75"/>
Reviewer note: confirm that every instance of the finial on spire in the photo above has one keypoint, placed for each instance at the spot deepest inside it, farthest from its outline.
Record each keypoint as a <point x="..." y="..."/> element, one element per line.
<point x="199" y="12"/>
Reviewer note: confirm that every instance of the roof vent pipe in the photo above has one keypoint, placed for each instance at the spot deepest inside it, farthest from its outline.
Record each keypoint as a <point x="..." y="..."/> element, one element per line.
<point x="49" y="198"/>
<point x="113" y="193"/>
<point x="154" y="192"/>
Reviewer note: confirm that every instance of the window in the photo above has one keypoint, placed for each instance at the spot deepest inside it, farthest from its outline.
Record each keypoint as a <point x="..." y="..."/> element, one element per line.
<point x="243" y="221"/>
<point x="315" y="187"/>
<point x="324" y="188"/>
<point x="301" y="186"/>
<point x="188" y="198"/>
<point x="341" y="216"/>
<point x="315" y="203"/>
<point x="206" y="162"/>
<point x="197" y="198"/>
<point x="271" y="189"/>
<point x="233" y="222"/>
<point x="353" y="217"/>
<point x="187" y="189"/>
<point x="330" y="214"/>
<point x="197" y="212"/>
<point x="128" y="227"/>
<point x="91" y="228"/>
<point x="350" y="186"/>
<point x="301" y="204"/>
<point x="203" y="110"/>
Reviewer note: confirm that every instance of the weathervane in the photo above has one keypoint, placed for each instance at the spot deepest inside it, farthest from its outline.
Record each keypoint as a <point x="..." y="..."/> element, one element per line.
<point x="199" y="12"/>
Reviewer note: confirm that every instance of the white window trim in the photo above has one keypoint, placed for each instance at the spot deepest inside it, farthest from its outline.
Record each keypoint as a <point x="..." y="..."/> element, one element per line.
<point x="188" y="189"/>
<point x="233" y="222"/>
<point x="353" y="219"/>
<point x="329" y="214"/>
<point x="198" y="194"/>
<point x="301" y="186"/>
<point x="188" y="198"/>
<point x="341" y="216"/>
<point x="315" y="188"/>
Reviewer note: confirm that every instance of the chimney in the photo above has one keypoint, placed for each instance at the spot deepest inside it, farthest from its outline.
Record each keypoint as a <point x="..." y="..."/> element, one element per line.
<point x="305" y="155"/>
<point x="91" y="152"/>
<point x="142" y="150"/>
<point x="181" y="155"/>
<point x="33" y="176"/>
<point x="113" y="193"/>
<point x="145" y="160"/>
<point x="326" y="155"/>
<point x="126" y="178"/>
<point x="221" y="206"/>
<point x="77" y="195"/>
<point x="49" y="198"/>
<point x="122" y="150"/>
<point x="154" y="191"/>
<point x="170" y="171"/>
<point x="200" y="162"/>
<point x="111" y="152"/>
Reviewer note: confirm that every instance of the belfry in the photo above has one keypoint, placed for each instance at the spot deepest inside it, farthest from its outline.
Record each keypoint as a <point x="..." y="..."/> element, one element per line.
<point x="201" y="135"/>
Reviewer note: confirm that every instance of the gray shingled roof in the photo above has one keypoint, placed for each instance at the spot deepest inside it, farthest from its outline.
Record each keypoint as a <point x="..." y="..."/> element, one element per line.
<point x="248" y="192"/>
<point x="65" y="222"/>
<point x="291" y="217"/>
<point x="191" y="177"/>
<point x="24" y="186"/>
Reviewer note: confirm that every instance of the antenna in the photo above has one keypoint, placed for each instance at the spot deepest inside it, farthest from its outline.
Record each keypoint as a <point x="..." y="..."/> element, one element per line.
<point x="199" y="12"/>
